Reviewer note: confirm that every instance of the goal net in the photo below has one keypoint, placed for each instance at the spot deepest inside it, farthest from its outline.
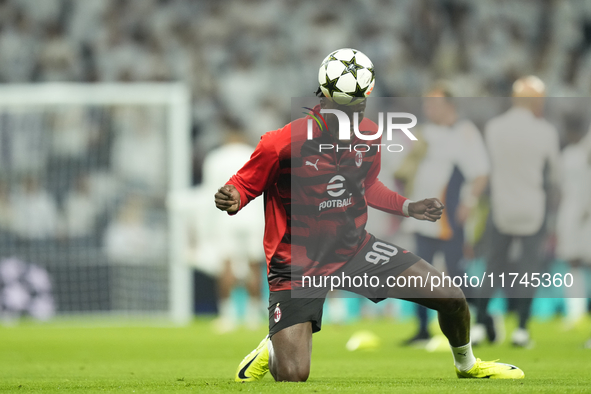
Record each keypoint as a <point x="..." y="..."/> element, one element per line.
<point x="85" y="170"/>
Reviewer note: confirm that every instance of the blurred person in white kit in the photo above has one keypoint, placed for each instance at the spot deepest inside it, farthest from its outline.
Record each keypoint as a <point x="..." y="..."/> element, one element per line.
<point x="454" y="167"/>
<point x="524" y="153"/>
<point x="573" y="226"/>
<point x="230" y="247"/>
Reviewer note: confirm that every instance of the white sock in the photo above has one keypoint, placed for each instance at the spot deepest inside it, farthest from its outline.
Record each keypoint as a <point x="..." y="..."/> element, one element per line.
<point x="463" y="357"/>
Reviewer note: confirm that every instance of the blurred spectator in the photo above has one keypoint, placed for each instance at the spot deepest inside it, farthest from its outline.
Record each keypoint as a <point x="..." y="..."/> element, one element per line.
<point x="72" y="133"/>
<point x="268" y="116"/>
<point x="41" y="13"/>
<point x="71" y="136"/>
<point x="24" y="141"/>
<point x="228" y="53"/>
<point x="18" y="47"/>
<point x="129" y="239"/>
<point x="104" y="189"/>
<point x="236" y="240"/>
<point x="80" y="211"/>
<point x="138" y="154"/>
<point x="58" y="60"/>
<point x="35" y="212"/>
<point x="234" y="46"/>
<point x="86" y="19"/>
<point x="244" y="76"/>
<point x="5" y="208"/>
<point x="519" y="174"/>
<point x="573" y="228"/>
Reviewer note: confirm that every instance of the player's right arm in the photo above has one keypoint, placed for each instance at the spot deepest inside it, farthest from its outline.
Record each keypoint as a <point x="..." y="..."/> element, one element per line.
<point x="227" y="199"/>
<point x="258" y="174"/>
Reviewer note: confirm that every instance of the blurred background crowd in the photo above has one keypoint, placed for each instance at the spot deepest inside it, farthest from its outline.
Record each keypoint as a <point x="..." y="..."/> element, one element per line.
<point x="78" y="196"/>
<point x="75" y="181"/>
<point x="245" y="58"/>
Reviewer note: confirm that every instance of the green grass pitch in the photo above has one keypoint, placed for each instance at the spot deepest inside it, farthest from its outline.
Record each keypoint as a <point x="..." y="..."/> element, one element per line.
<point x="59" y="357"/>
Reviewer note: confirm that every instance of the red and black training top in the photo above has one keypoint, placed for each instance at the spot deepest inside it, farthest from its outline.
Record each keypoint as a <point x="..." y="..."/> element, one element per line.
<point x="315" y="202"/>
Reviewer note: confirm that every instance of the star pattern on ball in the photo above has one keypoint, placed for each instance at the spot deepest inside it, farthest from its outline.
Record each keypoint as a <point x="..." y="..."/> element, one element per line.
<point x="329" y="59"/>
<point x="331" y="85"/>
<point x="352" y="66"/>
<point x="359" y="92"/>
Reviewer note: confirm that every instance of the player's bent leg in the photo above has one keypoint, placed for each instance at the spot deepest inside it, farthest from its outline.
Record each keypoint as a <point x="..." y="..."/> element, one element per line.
<point x="287" y="350"/>
<point x="454" y="320"/>
<point x="256" y="364"/>
<point x="291" y="353"/>
<point x="287" y="355"/>
<point x="448" y="301"/>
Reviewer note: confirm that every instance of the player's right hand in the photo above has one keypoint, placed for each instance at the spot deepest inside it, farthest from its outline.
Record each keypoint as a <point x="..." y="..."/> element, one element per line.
<point x="227" y="199"/>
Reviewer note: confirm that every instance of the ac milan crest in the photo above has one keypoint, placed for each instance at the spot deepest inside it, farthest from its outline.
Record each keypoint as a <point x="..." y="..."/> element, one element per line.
<point x="359" y="159"/>
<point x="277" y="314"/>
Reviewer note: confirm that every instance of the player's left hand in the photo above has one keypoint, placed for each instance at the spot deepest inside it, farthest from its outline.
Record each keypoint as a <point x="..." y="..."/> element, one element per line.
<point x="429" y="209"/>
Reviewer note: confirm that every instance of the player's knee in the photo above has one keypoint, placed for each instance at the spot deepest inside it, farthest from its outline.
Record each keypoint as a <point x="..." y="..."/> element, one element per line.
<point x="292" y="373"/>
<point x="457" y="305"/>
<point x="457" y="294"/>
<point x="453" y="302"/>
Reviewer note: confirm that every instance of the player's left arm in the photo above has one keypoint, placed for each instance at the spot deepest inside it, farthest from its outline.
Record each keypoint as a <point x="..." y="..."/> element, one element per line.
<point x="256" y="176"/>
<point x="378" y="196"/>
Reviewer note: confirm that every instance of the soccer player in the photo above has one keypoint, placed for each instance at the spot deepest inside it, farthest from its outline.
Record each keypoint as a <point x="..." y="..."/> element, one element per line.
<point x="573" y="223"/>
<point x="524" y="153"/>
<point x="455" y="156"/>
<point x="236" y="242"/>
<point x="310" y="231"/>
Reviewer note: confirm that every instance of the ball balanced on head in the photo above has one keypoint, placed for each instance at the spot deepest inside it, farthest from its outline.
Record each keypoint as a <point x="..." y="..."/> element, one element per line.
<point x="346" y="76"/>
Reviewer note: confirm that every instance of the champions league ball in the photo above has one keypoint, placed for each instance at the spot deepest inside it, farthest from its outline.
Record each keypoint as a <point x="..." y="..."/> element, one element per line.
<point x="25" y="289"/>
<point x="346" y="76"/>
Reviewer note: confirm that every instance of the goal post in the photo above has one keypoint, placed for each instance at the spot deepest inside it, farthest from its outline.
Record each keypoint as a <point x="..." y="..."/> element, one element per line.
<point x="97" y="263"/>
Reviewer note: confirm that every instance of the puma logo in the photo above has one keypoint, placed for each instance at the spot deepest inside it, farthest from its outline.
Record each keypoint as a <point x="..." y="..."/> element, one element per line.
<point x="309" y="163"/>
<point x="463" y="354"/>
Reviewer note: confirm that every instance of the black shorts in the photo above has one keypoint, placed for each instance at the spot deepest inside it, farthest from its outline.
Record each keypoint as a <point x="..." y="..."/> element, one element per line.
<point x="377" y="258"/>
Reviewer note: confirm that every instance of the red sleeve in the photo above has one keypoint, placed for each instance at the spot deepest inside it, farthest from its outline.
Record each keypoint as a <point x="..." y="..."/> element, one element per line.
<point x="377" y="195"/>
<point x="258" y="174"/>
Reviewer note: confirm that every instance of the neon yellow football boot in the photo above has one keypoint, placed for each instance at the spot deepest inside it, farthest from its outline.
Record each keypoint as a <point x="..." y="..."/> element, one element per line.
<point x="491" y="370"/>
<point x="255" y="365"/>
